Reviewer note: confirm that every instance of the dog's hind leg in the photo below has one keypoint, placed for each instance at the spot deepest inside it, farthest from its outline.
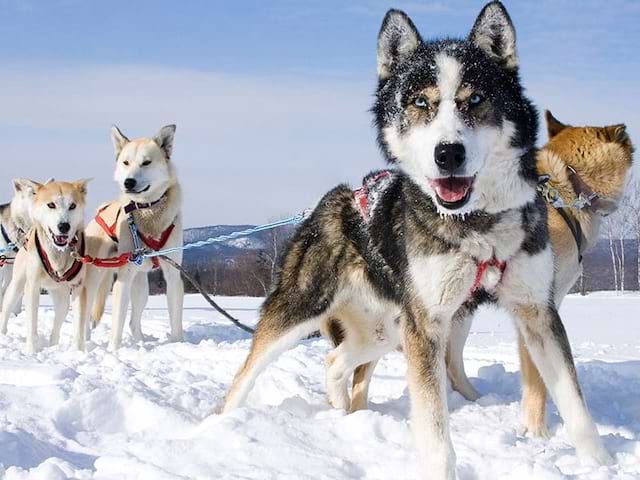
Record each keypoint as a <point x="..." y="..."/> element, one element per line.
<point x="534" y="393"/>
<point x="175" y="299"/>
<point x="12" y="296"/>
<point x="547" y="342"/>
<point x="361" y="381"/>
<point x="121" y="295"/>
<point x="100" y="294"/>
<point x="139" y="297"/>
<point x="460" y="326"/>
<point x="61" y="300"/>
<point x="274" y="334"/>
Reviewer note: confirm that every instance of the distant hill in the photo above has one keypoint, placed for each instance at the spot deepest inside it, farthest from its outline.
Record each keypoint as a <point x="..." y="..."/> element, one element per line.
<point x="242" y="266"/>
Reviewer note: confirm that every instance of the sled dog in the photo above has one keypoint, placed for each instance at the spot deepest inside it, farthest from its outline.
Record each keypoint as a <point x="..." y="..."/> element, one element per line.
<point x="150" y="199"/>
<point x="15" y="222"/>
<point x="457" y="224"/>
<point x="46" y="259"/>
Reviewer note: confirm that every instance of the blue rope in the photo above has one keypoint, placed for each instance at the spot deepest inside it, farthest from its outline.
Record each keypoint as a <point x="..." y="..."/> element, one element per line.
<point x="224" y="238"/>
<point x="9" y="248"/>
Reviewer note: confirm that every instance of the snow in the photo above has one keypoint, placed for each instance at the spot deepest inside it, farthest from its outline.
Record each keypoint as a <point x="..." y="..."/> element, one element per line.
<point x="146" y="412"/>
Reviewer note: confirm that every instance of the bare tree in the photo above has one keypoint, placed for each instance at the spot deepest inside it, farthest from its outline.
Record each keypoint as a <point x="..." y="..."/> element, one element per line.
<point x="633" y="195"/>
<point x="609" y="224"/>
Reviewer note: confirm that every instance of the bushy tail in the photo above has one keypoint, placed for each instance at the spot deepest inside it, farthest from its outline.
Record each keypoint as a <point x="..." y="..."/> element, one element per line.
<point x="100" y="299"/>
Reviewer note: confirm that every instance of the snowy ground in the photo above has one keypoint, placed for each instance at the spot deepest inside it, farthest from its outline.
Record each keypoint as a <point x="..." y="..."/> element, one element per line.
<point x="145" y="413"/>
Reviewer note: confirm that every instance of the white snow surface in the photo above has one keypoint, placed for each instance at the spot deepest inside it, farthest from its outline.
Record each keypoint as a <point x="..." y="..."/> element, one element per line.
<point x="146" y="411"/>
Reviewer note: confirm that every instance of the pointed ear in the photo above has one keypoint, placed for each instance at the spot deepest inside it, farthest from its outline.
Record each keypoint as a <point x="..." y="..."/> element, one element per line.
<point x="164" y="139"/>
<point x="25" y="185"/>
<point x="554" y="126"/>
<point x="49" y="180"/>
<point x="118" y="139"/>
<point x="617" y="133"/>
<point x="81" y="185"/>
<point x="494" y="34"/>
<point x="398" y="38"/>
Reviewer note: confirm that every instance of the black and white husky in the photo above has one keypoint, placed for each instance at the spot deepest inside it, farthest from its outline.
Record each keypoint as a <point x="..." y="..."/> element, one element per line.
<point x="458" y="223"/>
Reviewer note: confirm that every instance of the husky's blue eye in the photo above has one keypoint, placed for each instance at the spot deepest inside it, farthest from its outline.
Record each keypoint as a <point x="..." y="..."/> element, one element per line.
<point x="51" y="205"/>
<point x="475" y="99"/>
<point x="420" y="102"/>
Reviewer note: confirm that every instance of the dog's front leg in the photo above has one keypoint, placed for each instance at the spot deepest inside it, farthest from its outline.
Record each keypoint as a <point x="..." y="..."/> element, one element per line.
<point x="32" y="302"/>
<point x="424" y="346"/>
<point x="175" y="300"/>
<point x="60" y="297"/>
<point x="121" y="294"/>
<point x="81" y="311"/>
<point x="460" y="326"/>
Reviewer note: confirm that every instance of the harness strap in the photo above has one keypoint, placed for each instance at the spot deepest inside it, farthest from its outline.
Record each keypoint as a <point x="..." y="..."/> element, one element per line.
<point x="481" y="267"/>
<point x="131" y="206"/>
<point x="71" y="273"/>
<point x="110" y="230"/>
<point x="156" y="245"/>
<point x="5" y="235"/>
<point x="361" y="195"/>
<point x="574" y="228"/>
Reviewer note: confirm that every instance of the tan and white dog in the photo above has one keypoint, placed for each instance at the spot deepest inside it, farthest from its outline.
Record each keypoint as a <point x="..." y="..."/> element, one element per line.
<point x="151" y="197"/>
<point x="15" y="222"/>
<point x="47" y="260"/>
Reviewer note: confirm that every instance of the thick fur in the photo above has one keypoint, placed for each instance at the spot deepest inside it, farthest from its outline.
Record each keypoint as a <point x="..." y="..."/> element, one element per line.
<point x="54" y="204"/>
<point x="406" y="273"/>
<point x="148" y="162"/>
<point x="602" y="157"/>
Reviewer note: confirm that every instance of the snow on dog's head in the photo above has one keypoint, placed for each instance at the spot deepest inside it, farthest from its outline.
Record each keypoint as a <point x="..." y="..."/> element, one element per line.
<point x="144" y="170"/>
<point x="452" y="114"/>
<point x="58" y="207"/>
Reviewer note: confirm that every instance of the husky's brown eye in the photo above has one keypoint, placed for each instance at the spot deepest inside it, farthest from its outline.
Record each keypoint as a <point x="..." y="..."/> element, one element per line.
<point x="475" y="99"/>
<point x="420" y="102"/>
<point x="72" y="206"/>
<point x="146" y="162"/>
<point x="126" y="162"/>
<point x="51" y="205"/>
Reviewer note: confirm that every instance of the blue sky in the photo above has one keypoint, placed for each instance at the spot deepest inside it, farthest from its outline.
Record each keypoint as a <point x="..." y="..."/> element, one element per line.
<point x="270" y="97"/>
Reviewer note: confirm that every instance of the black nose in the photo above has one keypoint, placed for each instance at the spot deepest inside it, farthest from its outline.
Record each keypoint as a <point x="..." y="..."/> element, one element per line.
<point x="130" y="183"/>
<point x="449" y="156"/>
<point x="64" y="227"/>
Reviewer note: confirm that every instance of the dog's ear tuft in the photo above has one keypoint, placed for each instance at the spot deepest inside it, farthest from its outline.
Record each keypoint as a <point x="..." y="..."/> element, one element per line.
<point x="398" y="38"/>
<point x="81" y="185"/>
<point x="49" y="180"/>
<point x="617" y="133"/>
<point x="164" y="139"/>
<point x="554" y="126"/>
<point x="25" y="185"/>
<point x="119" y="140"/>
<point x="494" y="34"/>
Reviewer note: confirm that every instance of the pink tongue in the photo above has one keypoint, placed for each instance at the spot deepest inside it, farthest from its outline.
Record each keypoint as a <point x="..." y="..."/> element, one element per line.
<point x="451" y="190"/>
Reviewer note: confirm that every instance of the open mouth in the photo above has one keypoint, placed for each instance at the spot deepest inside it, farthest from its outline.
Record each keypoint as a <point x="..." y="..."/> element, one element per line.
<point x="59" y="240"/>
<point x="139" y="191"/>
<point x="452" y="192"/>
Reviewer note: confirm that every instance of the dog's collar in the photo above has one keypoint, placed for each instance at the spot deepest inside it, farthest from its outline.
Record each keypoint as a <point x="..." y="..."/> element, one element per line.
<point x="72" y="272"/>
<point x="131" y="206"/>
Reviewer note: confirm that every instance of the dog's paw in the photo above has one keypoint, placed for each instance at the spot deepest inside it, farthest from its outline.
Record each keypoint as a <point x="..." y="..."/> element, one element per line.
<point x="594" y="453"/>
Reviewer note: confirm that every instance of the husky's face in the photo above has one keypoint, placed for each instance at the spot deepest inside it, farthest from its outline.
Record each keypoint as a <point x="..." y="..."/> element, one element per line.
<point x="143" y="168"/>
<point x="59" y="208"/>
<point x="452" y="114"/>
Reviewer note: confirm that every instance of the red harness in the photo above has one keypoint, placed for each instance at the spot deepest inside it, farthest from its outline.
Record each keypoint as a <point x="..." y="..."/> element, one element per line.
<point x="361" y="195"/>
<point x="71" y="273"/>
<point x="361" y="198"/>
<point x="150" y="242"/>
